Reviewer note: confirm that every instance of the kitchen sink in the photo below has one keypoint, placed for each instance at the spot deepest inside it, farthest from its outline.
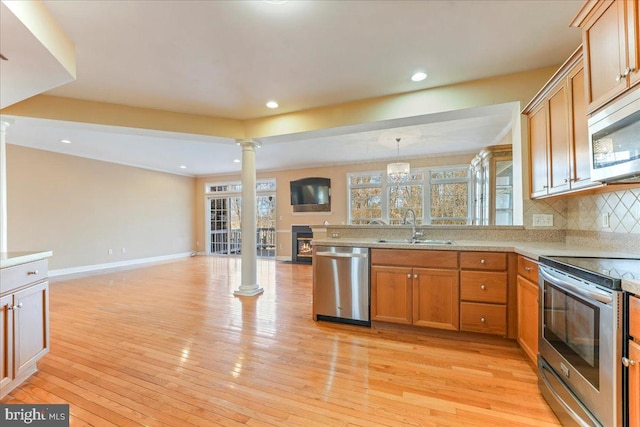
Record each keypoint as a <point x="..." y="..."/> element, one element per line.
<point x="416" y="242"/>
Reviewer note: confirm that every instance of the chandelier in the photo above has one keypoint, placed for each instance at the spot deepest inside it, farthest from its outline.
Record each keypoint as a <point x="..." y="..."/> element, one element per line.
<point x="398" y="171"/>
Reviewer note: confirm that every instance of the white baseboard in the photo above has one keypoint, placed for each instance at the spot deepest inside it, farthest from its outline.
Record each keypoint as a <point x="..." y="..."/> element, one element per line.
<point x="283" y="258"/>
<point x="118" y="264"/>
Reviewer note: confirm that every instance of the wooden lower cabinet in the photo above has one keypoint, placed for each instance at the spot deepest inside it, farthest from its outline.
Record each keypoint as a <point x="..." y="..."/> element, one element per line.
<point x="634" y="384"/>
<point x="391" y="294"/>
<point x="435" y="298"/>
<point x="528" y="317"/>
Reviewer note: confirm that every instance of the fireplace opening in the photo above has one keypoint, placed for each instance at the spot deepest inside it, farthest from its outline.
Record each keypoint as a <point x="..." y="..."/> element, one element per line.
<point x="301" y="246"/>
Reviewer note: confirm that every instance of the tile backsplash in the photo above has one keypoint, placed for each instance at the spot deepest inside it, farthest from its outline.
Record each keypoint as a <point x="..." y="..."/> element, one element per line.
<point x="585" y="213"/>
<point x="623" y="208"/>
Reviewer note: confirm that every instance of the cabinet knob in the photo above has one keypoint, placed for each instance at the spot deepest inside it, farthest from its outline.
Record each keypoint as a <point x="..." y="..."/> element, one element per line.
<point x="415" y="276"/>
<point x="566" y="180"/>
<point x="14" y="307"/>
<point x="628" y="362"/>
<point x="618" y="78"/>
<point x="483" y="287"/>
<point x="527" y="269"/>
<point x="408" y="275"/>
<point x="482" y="261"/>
<point x="483" y="320"/>
<point x="32" y="273"/>
<point x="628" y="71"/>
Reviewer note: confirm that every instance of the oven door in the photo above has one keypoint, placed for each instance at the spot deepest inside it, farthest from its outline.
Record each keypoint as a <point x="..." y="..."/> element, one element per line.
<point x="581" y="341"/>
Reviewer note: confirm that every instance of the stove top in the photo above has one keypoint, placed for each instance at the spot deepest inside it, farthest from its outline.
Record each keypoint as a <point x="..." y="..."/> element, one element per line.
<point x="607" y="272"/>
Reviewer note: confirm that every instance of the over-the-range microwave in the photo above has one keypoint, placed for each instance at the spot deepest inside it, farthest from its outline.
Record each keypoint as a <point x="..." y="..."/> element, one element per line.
<point x="614" y="135"/>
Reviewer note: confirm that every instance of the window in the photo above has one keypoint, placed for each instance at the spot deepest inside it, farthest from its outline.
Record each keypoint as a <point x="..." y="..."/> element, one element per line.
<point x="449" y="195"/>
<point x="375" y="198"/>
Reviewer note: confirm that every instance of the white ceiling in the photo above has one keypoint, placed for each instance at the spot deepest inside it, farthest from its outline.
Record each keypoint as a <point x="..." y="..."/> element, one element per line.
<point x="227" y="58"/>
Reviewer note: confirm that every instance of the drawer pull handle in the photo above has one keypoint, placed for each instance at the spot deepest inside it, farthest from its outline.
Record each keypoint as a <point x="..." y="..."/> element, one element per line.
<point x="14" y="307"/>
<point x="483" y="320"/>
<point x="483" y="287"/>
<point x="32" y="273"/>
<point x="482" y="261"/>
<point x="628" y="362"/>
<point x="527" y="269"/>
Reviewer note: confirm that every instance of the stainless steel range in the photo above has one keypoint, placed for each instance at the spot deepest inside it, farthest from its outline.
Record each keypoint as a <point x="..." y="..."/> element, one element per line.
<point x="581" y="338"/>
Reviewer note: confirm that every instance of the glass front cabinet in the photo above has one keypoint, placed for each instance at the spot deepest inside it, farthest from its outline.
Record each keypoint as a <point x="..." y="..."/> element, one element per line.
<point x="492" y="174"/>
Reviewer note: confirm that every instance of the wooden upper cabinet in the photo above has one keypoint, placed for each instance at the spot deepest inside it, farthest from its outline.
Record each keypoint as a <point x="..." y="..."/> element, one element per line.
<point x="610" y="39"/>
<point x="580" y="159"/>
<point x="558" y="133"/>
<point x="538" y="150"/>
<point x="558" y="140"/>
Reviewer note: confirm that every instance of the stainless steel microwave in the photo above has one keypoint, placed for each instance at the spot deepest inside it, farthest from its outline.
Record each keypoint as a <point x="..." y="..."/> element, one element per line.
<point x="614" y="136"/>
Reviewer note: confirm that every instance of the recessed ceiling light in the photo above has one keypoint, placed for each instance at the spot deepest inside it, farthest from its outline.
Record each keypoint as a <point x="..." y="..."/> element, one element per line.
<point x="418" y="77"/>
<point x="236" y="160"/>
<point x="183" y="167"/>
<point x="65" y="141"/>
<point x="272" y="104"/>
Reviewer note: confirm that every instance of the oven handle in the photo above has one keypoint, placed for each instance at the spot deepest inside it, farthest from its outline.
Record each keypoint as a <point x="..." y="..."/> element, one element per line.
<point x="603" y="297"/>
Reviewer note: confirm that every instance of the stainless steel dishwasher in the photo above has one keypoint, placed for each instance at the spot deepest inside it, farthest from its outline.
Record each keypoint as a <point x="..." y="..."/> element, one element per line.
<point x="341" y="284"/>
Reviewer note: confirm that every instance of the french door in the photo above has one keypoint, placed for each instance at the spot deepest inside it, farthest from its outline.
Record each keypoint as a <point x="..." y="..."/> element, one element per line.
<point x="225" y="228"/>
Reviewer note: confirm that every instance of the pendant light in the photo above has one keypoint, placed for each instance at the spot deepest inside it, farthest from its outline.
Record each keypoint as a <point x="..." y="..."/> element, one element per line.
<point x="399" y="170"/>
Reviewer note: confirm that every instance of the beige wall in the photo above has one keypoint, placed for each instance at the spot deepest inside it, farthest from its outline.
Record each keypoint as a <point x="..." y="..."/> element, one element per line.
<point x="285" y="215"/>
<point x="81" y="208"/>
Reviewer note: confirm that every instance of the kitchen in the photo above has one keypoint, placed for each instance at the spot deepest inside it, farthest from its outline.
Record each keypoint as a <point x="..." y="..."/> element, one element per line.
<point x="571" y="210"/>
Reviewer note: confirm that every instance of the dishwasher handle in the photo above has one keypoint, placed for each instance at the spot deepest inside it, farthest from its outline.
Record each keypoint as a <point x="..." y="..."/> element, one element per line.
<point x="341" y="255"/>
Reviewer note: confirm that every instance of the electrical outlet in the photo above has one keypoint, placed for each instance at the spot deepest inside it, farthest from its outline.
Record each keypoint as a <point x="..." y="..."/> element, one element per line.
<point x="110" y="251"/>
<point x="542" y="220"/>
<point x="124" y="250"/>
<point x="335" y="235"/>
<point x="606" y="220"/>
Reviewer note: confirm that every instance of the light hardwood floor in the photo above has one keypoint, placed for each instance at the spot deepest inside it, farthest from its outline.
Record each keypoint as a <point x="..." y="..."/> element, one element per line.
<point x="169" y="344"/>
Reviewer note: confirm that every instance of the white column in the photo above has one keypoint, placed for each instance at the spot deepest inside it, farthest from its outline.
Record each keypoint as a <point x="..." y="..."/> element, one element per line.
<point x="249" y="285"/>
<point x="4" y="125"/>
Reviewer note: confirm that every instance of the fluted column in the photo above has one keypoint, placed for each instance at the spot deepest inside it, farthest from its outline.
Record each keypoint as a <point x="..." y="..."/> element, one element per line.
<point x="4" y="125"/>
<point x="249" y="285"/>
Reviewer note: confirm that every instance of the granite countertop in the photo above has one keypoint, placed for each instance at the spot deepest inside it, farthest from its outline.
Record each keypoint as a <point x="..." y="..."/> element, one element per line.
<point x="531" y="250"/>
<point x="9" y="259"/>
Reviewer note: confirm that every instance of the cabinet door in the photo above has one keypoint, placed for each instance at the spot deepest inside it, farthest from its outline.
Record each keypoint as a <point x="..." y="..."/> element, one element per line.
<point x="558" y="140"/>
<point x="436" y="301"/>
<point x="538" y="150"/>
<point x="634" y="384"/>
<point x="605" y="44"/>
<point x="633" y="41"/>
<point x="31" y="326"/>
<point x="528" y="317"/>
<point x="580" y="157"/>
<point x="6" y="341"/>
<point x="391" y="294"/>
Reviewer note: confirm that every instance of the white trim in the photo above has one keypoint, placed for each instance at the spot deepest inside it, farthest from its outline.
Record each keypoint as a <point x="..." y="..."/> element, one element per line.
<point x="283" y="258"/>
<point x="96" y="267"/>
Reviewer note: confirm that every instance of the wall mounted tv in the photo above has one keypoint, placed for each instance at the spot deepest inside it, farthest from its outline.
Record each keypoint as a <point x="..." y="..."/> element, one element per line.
<point x="311" y="195"/>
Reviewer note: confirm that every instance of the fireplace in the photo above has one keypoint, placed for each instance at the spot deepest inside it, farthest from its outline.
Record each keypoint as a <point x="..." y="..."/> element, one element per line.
<point x="301" y="246"/>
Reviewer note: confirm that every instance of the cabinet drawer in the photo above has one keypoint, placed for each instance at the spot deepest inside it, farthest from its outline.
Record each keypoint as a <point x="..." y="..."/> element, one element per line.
<point x="528" y="269"/>
<point x="484" y="318"/>
<point x="634" y="317"/>
<point x="21" y="275"/>
<point x="414" y="258"/>
<point x="483" y="260"/>
<point x="483" y="286"/>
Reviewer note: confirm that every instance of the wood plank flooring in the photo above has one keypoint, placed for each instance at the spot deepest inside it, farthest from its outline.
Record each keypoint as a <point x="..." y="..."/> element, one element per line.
<point x="169" y="344"/>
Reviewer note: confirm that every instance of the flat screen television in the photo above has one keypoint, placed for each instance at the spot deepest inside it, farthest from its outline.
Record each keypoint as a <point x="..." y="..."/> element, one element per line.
<point x="311" y="195"/>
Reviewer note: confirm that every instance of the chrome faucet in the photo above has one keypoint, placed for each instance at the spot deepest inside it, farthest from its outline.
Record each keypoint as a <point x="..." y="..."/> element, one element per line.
<point x="414" y="234"/>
